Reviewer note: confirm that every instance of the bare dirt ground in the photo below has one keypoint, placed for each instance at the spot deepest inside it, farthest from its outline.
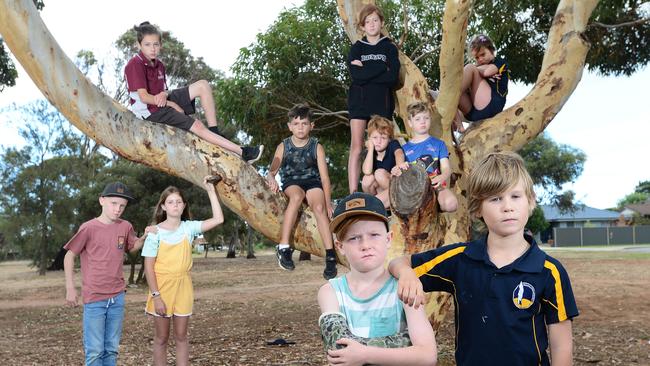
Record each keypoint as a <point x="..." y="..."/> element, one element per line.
<point x="243" y="303"/>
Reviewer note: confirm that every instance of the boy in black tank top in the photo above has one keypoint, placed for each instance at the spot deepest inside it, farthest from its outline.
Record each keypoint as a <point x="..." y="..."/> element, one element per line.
<point x="303" y="169"/>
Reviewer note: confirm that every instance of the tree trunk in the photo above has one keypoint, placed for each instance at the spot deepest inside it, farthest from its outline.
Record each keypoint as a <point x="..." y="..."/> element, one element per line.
<point x="179" y="153"/>
<point x="250" y="236"/>
<point x="133" y="260"/>
<point x="141" y="272"/>
<point x="234" y="241"/>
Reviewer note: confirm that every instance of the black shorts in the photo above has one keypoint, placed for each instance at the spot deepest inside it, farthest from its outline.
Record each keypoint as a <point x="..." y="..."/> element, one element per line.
<point x="304" y="184"/>
<point x="172" y="117"/>
<point x="492" y="109"/>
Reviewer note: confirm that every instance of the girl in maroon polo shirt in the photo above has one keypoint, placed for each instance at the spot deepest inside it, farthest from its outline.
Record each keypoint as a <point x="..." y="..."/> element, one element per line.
<point x="150" y="99"/>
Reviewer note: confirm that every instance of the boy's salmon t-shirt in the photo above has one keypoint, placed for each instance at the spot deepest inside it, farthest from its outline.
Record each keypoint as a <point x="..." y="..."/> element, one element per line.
<point x="101" y="248"/>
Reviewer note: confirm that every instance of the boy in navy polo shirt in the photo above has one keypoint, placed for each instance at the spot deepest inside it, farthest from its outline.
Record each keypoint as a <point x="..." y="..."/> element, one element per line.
<point x="512" y="300"/>
<point x="150" y="100"/>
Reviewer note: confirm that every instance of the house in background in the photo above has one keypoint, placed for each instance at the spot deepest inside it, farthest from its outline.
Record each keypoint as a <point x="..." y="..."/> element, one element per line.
<point x="584" y="216"/>
<point x="641" y="209"/>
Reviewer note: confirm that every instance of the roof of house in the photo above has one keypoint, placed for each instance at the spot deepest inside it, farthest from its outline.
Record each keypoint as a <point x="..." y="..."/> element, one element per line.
<point x="640" y="208"/>
<point x="584" y="213"/>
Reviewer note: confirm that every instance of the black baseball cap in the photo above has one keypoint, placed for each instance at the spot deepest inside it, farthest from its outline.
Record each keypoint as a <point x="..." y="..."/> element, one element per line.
<point x="117" y="189"/>
<point x="358" y="203"/>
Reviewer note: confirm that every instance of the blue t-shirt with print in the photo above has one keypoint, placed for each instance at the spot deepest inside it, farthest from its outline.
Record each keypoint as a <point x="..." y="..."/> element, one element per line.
<point x="189" y="229"/>
<point x="431" y="151"/>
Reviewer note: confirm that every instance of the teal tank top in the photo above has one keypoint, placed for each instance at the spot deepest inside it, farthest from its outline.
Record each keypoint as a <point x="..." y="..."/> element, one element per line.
<point x="379" y="315"/>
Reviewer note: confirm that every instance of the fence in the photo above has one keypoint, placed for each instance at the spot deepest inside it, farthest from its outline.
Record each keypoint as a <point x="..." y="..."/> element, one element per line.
<point x="613" y="235"/>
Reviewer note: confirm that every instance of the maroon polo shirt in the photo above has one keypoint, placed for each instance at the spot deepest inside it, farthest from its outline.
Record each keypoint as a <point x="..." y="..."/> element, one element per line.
<point x="142" y="74"/>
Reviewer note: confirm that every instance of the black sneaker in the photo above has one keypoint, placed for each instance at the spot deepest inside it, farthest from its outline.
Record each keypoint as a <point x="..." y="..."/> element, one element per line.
<point x="284" y="258"/>
<point x="330" y="268"/>
<point x="215" y="130"/>
<point x="251" y="154"/>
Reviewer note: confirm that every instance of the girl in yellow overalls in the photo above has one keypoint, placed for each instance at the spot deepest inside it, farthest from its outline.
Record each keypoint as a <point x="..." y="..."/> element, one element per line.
<point x="167" y="264"/>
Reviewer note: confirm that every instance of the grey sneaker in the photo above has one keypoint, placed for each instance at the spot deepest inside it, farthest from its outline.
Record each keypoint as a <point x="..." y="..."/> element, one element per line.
<point x="251" y="154"/>
<point x="330" y="268"/>
<point x="284" y="258"/>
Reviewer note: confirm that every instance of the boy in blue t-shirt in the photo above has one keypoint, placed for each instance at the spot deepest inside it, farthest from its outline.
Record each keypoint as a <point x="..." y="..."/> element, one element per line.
<point x="512" y="301"/>
<point x="431" y="151"/>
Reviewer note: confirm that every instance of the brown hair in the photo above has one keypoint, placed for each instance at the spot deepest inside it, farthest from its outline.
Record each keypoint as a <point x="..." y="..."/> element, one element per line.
<point x="159" y="215"/>
<point x="301" y="111"/>
<point x="416" y="107"/>
<point x="495" y="174"/>
<point x="366" y="11"/>
<point x="381" y="124"/>
<point x="481" y="40"/>
<point x="146" y="28"/>
<point x="344" y="226"/>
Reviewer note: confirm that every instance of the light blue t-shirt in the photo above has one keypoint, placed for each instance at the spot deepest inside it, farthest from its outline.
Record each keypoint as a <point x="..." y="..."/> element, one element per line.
<point x="380" y="315"/>
<point x="189" y="229"/>
<point x="431" y="151"/>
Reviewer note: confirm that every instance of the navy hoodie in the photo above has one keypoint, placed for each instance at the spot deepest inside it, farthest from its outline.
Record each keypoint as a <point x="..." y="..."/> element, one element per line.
<point x="372" y="86"/>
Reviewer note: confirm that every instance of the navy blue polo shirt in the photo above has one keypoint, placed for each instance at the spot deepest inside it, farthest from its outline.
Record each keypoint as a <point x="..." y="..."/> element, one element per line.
<point x="500" y="313"/>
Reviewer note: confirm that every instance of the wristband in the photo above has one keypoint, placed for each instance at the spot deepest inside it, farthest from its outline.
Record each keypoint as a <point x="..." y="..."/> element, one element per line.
<point x="155" y="294"/>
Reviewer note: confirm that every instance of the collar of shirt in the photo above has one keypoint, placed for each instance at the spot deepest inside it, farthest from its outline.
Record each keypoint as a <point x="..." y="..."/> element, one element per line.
<point x="531" y="261"/>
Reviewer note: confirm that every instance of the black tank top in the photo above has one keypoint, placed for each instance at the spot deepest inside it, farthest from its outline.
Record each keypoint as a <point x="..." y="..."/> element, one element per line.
<point x="299" y="163"/>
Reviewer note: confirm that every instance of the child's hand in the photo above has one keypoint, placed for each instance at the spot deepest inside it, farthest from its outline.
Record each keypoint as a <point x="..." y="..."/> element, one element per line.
<point x="150" y="229"/>
<point x="409" y="289"/>
<point x="353" y="354"/>
<point x="207" y="184"/>
<point x="370" y="146"/>
<point x="356" y="62"/>
<point x="175" y="106"/>
<point x="438" y="182"/>
<point x="272" y="183"/>
<point x="160" y="99"/>
<point x="398" y="168"/>
<point x="71" y="297"/>
<point x="159" y="306"/>
<point x="330" y="210"/>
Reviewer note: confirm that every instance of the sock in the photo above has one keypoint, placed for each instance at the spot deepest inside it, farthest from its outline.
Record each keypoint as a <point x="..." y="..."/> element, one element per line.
<point x="283" y="246"/>
<point x="330" y="253"/>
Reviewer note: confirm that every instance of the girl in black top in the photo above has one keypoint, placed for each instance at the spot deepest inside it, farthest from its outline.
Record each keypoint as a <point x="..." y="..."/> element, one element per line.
<point x="374" y="68"/>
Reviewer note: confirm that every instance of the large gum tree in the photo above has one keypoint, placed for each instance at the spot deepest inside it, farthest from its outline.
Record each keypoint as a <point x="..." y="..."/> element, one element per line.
<point x="243" y="190"/>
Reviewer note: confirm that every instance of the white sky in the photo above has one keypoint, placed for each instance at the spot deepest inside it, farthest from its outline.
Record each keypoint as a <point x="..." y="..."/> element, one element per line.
<point x="604" y="117"/>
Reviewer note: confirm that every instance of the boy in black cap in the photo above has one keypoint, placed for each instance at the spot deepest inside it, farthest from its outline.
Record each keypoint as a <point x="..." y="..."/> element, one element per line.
<point x="363" y="321"/>
<point x="101" y="244"/>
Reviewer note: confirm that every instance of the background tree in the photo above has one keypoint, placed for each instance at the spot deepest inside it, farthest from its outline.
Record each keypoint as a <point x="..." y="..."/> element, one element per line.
<point x="640" y="195"/>
<point x="40" y="182"/>
<point x="551" y="165"/>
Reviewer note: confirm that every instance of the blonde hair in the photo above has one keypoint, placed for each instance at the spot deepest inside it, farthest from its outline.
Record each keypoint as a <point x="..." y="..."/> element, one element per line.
<point x="495" y="174"/>
<point x="382" y="125"/>
<point x="417" y="107"/>
<point x="366" y="11"/>
<point x="344" y="226"/>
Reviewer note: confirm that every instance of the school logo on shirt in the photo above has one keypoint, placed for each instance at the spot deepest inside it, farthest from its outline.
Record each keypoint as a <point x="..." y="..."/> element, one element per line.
<point x="523" y="295"/>
<point x="120" y="242"/>
<point x="160" y="75"/>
